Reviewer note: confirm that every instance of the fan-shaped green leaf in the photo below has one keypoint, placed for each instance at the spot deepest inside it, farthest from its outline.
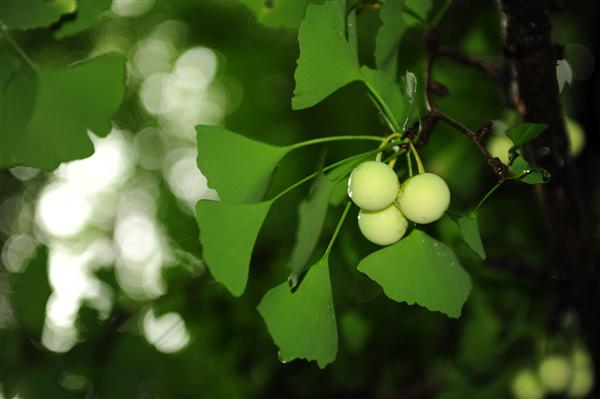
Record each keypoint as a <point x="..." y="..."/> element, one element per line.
<point x="328" y="58"/>
<point x="390" y="93"/>
<point x="520" y="168"/>
<point x="419" y="269"/>
<point x="56" y="109"/>
<point x="470" y="232"/>
<point x="33" y="13"/>
<point x="525" y="132"/>
<point x="86" y="15"/>
<point x="239" y="168"/>
<point x="276" y="13"/>
<point x="311" y="215"/>
<point x="228" y="233"/>
<point x="302" y="323"/>
<point x="17" y="98"/>
<point x="389" y="35"/>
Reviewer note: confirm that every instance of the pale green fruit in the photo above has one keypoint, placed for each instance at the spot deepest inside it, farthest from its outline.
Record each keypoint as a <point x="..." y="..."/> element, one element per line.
<point x="582" y="380"/>
<point x="424" y="198"/>
<point x="576" y="136"/>
<point x="499" y="146"/>
<point x="555" y="373"/>
<point x="382" y="227"/>
<point x="581" y="358"/>
<point x="526" y="385"/>
<point x="373" y="186"/>
<point x="581" y="383"/>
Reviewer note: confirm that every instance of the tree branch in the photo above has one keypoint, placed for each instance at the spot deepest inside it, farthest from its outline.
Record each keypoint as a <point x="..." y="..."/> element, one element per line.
<point x="431" y="44"/>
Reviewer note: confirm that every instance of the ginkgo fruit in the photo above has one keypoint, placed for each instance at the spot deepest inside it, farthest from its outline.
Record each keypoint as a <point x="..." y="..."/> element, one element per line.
<point x="555" y="373"/>
<point x="499" y="146"/>
<point x="582" y="380"/>
<point x="575" y="136"/>
<point x="424" y="198"/>
<point x="373" y="186"/>
<point x="526" y="385"/>
<point x="383" y="227"/>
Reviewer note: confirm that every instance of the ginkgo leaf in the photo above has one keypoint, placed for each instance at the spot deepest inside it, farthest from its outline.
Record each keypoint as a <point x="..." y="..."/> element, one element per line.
<point x="328" y="58"/>
<point x="524" y="133"/>
<point x="389" y="92"/>
<point x="239" y="168"/>
<point x="278" y="12"/>
<point x="521" y="169"/>
<point x="227" y="234"/>
<point x="470" y="232"/>
<point x="302" y="323"/>
<point x="56" y="109"/>
<point x="419" y="269"/>
<point x="20" y="14"/>
<point x="17" y="99"/>
<point x="311" y="215"/>
<point x="389" y="35"/>
<point x="86" y="15"/>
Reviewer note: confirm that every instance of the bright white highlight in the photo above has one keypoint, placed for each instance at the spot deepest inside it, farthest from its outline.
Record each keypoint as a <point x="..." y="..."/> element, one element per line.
<point x="16" y="251"/>
<point x="185" y="179"/>
<point x="62" y="210"/>
<point x="153" y="55"/>
<point x="136" y="238"/>
<point x="187" y="95"/>
<point x="167" y="332"/>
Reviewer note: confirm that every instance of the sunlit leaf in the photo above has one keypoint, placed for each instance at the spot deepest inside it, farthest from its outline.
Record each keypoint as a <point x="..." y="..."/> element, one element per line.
<point x="389" y="35"/>
<point x="328" y="60"/>
<point x="31" y="291"/>
<point x="276" y="13"/>
<point x="86" y="15"/>
<point x="521" y="169"/>
<point x="302" y="323"/>
<point x="470" y="232"/>
<point x="389" y="92"/>
<point x="227" y="234"/>
<point x="419" y="269"/>
<point x="311" y="215"/>
<point x="22" y="14"/>
<point x="66" y="103"/>
<point x="239" y="168"/>
<point x="524" y="133"/>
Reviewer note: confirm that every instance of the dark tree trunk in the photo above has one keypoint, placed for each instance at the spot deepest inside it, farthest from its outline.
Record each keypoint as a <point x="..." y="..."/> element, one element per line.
<point x="532" y="58"/>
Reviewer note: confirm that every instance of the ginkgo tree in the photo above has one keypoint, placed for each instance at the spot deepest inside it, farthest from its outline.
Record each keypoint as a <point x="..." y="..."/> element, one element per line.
<point x="419" y="234"/>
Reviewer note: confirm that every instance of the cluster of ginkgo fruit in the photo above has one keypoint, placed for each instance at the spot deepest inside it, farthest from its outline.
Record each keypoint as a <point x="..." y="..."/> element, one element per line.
<point x="557" y="374"/>
<point x="386" y="206"/>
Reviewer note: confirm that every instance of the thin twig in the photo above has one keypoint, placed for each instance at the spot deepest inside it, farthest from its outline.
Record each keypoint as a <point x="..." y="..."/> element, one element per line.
<point x="431" y="44"/>
<point x="464" y="59"/>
